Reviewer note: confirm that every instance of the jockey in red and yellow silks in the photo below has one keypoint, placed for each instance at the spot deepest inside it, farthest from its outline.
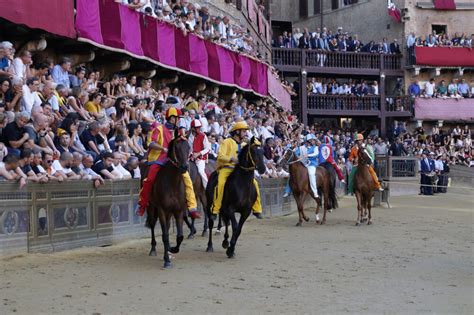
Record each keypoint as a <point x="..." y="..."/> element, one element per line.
<point x="159" y="138"/>
<point x="227" y="158"/>
<point x="353" y="157"/>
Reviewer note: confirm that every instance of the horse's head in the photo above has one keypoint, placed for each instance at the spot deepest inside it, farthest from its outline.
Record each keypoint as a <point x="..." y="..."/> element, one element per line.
<point x="287" y="157"/>
<point x="251" y="157"/>
<point x="363" y="156"/>
<point x="178" y="153"/>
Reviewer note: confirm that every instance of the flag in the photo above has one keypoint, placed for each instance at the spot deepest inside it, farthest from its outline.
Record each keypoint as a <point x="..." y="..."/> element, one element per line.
<point x="445" y="5"/>
<point x="393" y="11"/>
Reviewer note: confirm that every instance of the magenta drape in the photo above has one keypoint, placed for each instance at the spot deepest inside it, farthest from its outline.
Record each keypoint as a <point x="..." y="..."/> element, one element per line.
<point x="115" y="26"/>
<point x="445" y="56"/>
<point x="54" y="16"/>
<point x="444" y="109"/>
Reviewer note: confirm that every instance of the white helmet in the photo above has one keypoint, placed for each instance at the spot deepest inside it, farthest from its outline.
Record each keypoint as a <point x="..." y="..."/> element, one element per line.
<point x="196" y="123"/>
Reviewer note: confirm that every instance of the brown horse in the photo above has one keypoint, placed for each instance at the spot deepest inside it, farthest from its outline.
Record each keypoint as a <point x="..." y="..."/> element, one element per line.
<point x="169" y="198"/>
<point x="363" y="187"/>
<point x="200" y="192"/>
<point x="300" y="187"/>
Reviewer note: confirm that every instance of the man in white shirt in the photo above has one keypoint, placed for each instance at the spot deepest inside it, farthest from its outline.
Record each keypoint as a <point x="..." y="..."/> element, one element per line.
<point x="430" y="88"/>
<point x="20" y="67"/>
<point x="62" y="167"/>
<point x="30" y="96"/>
<point x="119" y="171"/>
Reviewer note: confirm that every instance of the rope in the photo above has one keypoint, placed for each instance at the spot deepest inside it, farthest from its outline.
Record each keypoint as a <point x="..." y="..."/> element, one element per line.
<point x="418" y="185"/>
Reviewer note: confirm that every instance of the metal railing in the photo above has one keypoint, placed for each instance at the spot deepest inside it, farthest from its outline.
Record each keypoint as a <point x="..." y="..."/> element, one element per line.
<point x="399" y="104"/>
<point x="344" y="102"/>
<point x="318" y="58"/>
<point x="397" y="167"/>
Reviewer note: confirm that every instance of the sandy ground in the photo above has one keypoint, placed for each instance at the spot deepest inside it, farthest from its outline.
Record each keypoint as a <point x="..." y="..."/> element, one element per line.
<point x="414" y="259"/>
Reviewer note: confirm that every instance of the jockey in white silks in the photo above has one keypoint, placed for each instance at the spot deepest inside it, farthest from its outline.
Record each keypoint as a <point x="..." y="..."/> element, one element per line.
<point x="312" y="164"/>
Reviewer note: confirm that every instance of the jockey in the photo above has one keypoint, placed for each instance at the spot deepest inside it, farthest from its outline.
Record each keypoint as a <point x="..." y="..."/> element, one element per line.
<point x="159" y="138"/>
<point x="200" y="147"/>
<point x="359" y="144"/>
<point x="326" y="155"/>
<point x="312" y="154"/>
<point x="227" y="158"/>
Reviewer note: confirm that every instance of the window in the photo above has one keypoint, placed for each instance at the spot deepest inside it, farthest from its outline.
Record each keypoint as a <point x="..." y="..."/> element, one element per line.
<point x="335" y="4"/>
<point x="317" y="7"/>
<point x="303" y="8"/>
<point x="349" y="2"/>
<point x="439" y="29"/>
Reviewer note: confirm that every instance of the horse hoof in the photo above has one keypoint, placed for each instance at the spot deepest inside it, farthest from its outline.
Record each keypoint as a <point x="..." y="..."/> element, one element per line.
<point x="317" y="221"/>
<point x="230" y="253"/>
<point x="330" y="210"/>
<point x="209" y="249"/>
<point x="357" y="223"/>
<point x="369" y="223"/>
<point x="299" y="224"/>
<point x="218" y="231"/>
<point x="323" y="222"/>
<point x="225" y="244"/>
<point x="167" y="265"/>
<point x="306" y="219"/>
<point x="174" y="250"/>
<point x="152" y="253"/>
<point x="190" y="236"/>
<point x="204" y="233"/>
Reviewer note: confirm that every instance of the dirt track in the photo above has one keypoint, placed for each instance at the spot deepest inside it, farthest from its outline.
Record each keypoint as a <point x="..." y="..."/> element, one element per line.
<point x="414" y="259"/>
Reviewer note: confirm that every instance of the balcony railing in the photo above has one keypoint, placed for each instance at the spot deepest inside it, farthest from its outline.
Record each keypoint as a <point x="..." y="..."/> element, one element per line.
<point x="344" y="103"/>
<point x="314" y="58"/>
<point x="399" y="104"/>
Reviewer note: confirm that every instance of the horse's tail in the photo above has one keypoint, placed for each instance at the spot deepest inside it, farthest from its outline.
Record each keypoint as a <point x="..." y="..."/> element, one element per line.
<point x="332" y="204"/>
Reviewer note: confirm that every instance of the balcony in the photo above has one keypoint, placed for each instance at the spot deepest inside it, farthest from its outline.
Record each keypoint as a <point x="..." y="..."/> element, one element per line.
<point x="350" y="105"/>
<point x="286" y="59"/>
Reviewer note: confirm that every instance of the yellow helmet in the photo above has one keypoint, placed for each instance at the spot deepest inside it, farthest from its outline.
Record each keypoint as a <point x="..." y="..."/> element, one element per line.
<point x="360" y="137"/>
<point x="239" y="126"/>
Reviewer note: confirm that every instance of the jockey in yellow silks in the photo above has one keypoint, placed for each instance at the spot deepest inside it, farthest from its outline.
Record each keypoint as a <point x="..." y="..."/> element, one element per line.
<point x="227" y="159"/>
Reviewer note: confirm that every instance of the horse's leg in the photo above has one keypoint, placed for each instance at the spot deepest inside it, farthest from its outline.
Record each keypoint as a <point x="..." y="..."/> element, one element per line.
<point x="318" y="205"/>
<point x="152" y="225"/>
<point x="303" y="215"/>
<point x="369" y="207"/>
<point x="165" y="224"/>
<point x="225" y="242"/>
<point x="364" y="207"/>
<point x="236" y="229"/>
<point x="299" y="205"/>
<point x="219" y="225"/>
<point x="326" y="203"/>
<point x="206" y="224"/>
<point x="211" y="225"/>
<point x="190" y="226"/>
<point x="179" y="233"/>
<point x="359" y="208"/>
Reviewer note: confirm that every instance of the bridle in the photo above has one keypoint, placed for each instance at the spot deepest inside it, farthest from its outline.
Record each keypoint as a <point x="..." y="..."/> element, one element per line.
<point x="172" y="157"/>
<point x="289" y="160"/>
<point x="249" y="158"/>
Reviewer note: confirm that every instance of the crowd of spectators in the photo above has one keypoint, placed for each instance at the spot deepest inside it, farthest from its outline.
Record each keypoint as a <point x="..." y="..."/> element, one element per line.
<point x="440" y="40"/>
<point x="319" y="86"/>
<point x="59" y="123"/>
<point x="326" y="40"/>
<point x="196" y="19"/>
<point x="456" y="89"/>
